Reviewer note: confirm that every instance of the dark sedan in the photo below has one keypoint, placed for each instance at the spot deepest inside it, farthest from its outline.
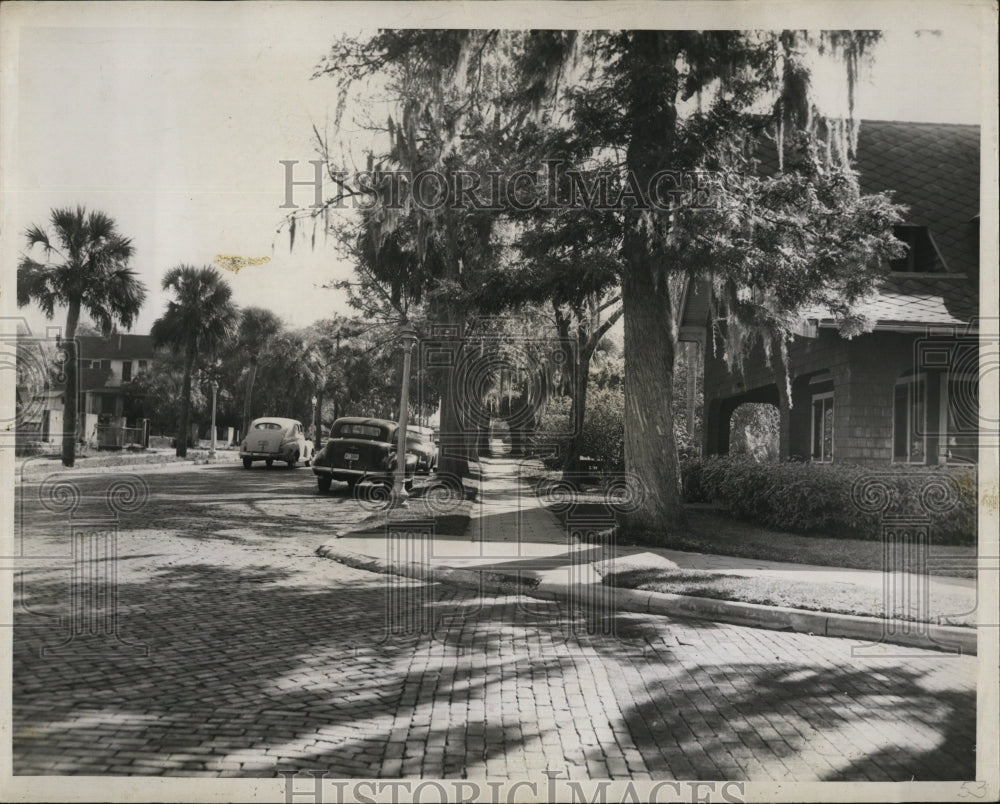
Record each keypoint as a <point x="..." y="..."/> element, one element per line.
<point x="361" y="450"/>
<point x="420" y="441"/>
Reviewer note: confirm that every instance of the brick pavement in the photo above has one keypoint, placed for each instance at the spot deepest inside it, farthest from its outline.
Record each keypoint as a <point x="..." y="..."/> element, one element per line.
<point x="263" y="657"/>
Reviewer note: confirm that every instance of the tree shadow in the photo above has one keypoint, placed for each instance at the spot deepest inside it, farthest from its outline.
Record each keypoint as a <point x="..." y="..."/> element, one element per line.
<point x="252" y="670"/>
<point x="255" y="667"/>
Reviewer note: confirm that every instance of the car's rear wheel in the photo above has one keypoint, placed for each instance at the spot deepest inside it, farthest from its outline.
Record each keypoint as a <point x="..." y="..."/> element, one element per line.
<point x="323" y="481"/>
<point x="269" y="462"/>
<point x="293" y="461"/>
<point x="247" y="463"/>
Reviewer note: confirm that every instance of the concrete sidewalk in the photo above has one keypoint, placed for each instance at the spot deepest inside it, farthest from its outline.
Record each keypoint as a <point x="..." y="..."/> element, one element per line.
<point x="37" y="467"/>
<point x="514" y="541"/>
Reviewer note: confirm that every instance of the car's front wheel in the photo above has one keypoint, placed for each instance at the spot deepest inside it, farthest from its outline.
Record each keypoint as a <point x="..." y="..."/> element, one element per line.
<point x="323" y="481"/>
<point x="247" y="463"/>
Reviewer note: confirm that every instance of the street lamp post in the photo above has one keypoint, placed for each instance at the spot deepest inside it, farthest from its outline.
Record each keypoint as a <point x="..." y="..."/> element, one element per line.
<point x="215" y="391"/>
<point x="315" y="424"/>
<point x="407" y="338"/>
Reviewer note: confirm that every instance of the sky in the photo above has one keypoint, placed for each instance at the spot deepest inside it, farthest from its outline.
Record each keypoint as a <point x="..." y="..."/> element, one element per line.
<point x="175" y="125"/>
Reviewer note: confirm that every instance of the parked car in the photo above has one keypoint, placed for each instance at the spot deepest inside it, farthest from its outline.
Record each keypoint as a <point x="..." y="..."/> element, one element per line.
<point x="360" y="450"/>
<point x="420" y="441"/>
<point x="271" y="439"/>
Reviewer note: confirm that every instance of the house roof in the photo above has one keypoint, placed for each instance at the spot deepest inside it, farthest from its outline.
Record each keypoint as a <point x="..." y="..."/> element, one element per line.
<point x="933" y="169"/>
<point x="915" y="299"/>
<point x="116" y="347"/>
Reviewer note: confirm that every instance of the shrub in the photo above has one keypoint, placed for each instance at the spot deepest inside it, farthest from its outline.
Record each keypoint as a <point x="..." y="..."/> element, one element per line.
<point x="553" y="430"/>
<point x="816" y="498"/>
<point x="604" y="427"/>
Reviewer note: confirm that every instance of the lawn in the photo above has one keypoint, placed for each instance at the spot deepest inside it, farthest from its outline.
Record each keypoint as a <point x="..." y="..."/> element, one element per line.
<point x="829" y="597"/>
<point x="710" y="531"/>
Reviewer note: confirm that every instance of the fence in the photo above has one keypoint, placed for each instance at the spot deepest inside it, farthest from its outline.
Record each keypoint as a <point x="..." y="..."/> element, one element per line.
<point x="121" y="437"/>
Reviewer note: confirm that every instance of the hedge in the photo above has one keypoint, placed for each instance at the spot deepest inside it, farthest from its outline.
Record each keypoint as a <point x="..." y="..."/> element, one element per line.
<point x="812" y="498"/>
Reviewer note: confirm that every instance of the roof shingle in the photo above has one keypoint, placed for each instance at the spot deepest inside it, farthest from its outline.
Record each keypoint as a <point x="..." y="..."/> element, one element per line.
<point x="116" y="347"/>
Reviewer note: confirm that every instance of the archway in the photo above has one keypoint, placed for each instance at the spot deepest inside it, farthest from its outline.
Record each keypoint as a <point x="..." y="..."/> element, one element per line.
<point x="754" y="431"/>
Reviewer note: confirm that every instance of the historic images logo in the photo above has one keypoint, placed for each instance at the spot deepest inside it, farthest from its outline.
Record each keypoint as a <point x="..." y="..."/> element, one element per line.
<point x="550" y="187"/>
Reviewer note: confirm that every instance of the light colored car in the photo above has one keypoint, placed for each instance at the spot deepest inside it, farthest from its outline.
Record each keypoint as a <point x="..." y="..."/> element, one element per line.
<point x="271" y="439"/>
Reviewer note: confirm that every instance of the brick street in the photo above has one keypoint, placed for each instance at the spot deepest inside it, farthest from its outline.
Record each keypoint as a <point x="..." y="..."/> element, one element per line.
<point x="262" y="657"/>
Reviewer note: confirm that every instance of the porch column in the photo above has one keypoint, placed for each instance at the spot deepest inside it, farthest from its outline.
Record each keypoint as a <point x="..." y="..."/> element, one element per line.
<point x="718" y="413"/>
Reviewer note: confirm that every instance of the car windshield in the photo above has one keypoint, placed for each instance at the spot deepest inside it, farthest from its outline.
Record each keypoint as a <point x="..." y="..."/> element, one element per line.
<point x="348" y="430"/>
<point x="267" y="426"/>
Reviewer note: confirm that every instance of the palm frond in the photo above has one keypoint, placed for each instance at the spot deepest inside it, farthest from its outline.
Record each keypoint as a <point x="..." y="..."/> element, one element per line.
<point x="201" y="317"/>
<point x="93" y="272"/>
<point x="34" y="284"/>
<point x="36" y="236"/>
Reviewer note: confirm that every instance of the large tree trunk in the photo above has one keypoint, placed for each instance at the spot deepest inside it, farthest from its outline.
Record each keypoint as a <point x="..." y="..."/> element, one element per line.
<point x="781" y="380"/>
<point x="578" y="406"/>
<point x="251" y="376"/>
<point x="317" y="422"/>
<point x="650" y="332"/>
<point x="71" y="394"/>
<point x="182" y="435"/>
<point x="459" y="435"/>
<point x="453" y="449"/>
<point x="650" y="448"/>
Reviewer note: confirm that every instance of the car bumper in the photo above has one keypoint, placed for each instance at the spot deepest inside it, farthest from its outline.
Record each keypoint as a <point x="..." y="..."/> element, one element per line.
<point x="340" y="473"/>
<point x="259" y="456"/>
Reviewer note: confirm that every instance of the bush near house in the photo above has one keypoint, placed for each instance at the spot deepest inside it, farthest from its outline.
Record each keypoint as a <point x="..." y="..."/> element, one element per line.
<point x="816" y="499"/>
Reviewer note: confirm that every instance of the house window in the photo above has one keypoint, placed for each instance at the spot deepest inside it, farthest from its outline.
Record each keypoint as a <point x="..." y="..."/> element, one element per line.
<point x="962" y="421"/>
<point x="142" y="366"/>
<point x="126" y="370"/>
<point x="909" y="420"/>
<point x="822" y="427"/>
<point x="921" y="254"/>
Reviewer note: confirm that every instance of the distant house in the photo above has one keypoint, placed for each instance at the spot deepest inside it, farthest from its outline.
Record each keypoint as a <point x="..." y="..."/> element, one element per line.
<point x="105" y="364"/>
<point x="908" y="391"/>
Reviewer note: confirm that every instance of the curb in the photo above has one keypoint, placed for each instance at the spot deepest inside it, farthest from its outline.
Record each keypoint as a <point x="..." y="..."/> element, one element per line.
<point x="493" y="581"/>
<point x="928" y="636"/>
<point x="376" y="523"/>
<point x="39" y="471"/>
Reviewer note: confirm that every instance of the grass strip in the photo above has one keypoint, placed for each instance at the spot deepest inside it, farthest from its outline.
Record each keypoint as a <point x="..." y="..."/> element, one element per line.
<point x="943" y="607"/>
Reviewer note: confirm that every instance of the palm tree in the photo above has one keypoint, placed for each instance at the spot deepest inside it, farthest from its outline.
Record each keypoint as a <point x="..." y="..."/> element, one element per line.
<point x="85" y="266"/>
<point x="258" y="327"/>
<point x="200" y="319"/>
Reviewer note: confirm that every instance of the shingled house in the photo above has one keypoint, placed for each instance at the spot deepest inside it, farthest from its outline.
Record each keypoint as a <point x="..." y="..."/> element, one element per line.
<point x="106" y="363"/>
<point x="907" y="392"/>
